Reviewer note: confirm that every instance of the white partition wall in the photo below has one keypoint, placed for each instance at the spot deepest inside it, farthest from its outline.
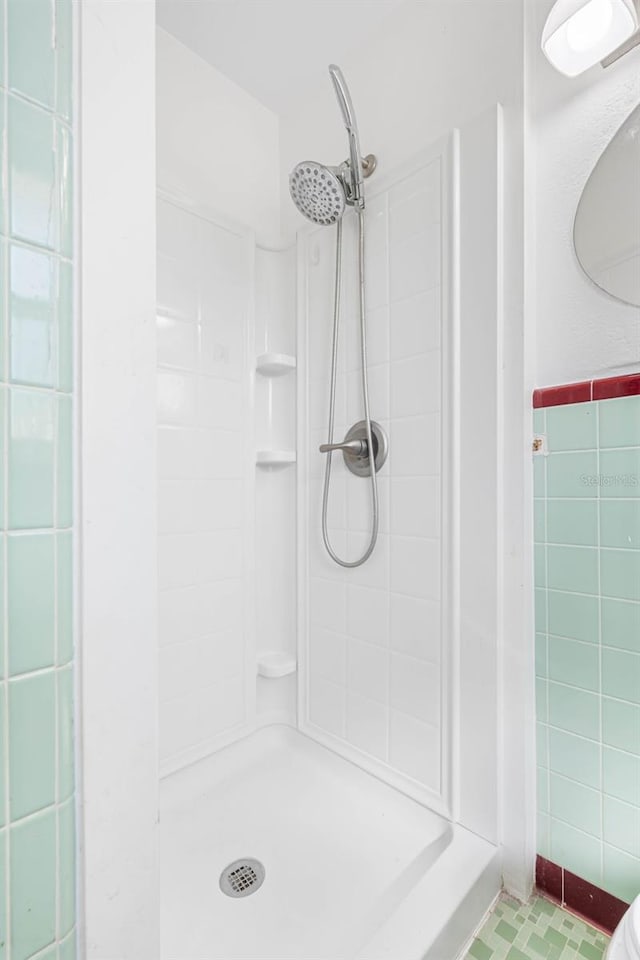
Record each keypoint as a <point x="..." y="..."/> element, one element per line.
<point x="374" y="680"/>
<point x="204" y="320"/>
<point x="118" y="462"/>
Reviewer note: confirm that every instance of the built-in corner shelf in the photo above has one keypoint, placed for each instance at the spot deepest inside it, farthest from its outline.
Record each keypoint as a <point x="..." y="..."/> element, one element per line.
<point x="275" y="364"/>
<point x="275" y="458"/>
<point x="272" y="666"/>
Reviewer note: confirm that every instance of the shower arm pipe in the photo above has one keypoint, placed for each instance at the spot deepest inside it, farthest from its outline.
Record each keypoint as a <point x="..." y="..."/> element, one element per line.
<point x="349" y="117"/>
<point x="365" y="397"/>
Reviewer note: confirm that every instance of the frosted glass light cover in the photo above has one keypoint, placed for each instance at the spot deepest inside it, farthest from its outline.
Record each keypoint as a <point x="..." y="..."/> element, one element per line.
<point x="580" y="33"/>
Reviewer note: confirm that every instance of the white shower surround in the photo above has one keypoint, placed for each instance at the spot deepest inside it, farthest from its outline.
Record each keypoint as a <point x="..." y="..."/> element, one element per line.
<point x="114" y="838"/>
<point x="377" y="642"/>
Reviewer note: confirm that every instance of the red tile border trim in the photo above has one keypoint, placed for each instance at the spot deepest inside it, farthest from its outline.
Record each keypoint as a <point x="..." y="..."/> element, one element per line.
<point x="594" y="905"/>
<point x="606" y="389"/>
<point x="628" y="386"/>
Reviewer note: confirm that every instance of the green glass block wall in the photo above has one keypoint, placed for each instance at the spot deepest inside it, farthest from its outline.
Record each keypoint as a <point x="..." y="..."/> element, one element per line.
<point x="587" y="574"/>
<point x="37" y="805"/>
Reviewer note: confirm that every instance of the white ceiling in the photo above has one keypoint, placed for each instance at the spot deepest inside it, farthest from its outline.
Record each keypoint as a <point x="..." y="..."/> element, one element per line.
<point x="275" y="49"/>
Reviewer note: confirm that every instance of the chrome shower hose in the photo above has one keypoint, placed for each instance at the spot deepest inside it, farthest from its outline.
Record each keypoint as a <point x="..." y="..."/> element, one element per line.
<point x="365" y="396"/>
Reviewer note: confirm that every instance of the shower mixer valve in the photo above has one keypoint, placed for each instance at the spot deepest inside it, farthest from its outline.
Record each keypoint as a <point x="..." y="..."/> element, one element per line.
<point x="355" y="448"/>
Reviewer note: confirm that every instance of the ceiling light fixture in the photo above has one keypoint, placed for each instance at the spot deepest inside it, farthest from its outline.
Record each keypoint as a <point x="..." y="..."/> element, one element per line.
<point x="580" y="33"/>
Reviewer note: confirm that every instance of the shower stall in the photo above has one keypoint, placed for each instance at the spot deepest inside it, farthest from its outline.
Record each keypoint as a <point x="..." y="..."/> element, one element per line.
<point x="325" y="418"/>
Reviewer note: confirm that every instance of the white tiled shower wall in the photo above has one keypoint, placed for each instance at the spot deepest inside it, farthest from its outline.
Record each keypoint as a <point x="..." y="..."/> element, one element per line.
<point x="204" y="284"/>
<point x="375" y="670"/>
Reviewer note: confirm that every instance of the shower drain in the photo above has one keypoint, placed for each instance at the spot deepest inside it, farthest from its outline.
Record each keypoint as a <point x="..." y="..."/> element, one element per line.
<point x="242" y="877"/>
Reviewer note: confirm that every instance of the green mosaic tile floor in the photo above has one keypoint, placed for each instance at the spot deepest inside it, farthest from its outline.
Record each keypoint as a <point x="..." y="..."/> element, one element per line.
<point x="537" y="930"/>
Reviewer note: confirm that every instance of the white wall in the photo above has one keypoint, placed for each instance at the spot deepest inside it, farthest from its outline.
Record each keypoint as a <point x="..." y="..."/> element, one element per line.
<point x="118" y="462"/>
<point x="207" y="673"/>
<point x="581" y="331"/>
<point x="216" y="143"/>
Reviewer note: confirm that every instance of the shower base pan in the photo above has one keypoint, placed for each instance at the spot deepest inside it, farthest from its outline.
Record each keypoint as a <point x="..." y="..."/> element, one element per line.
<point x="353" y="870"/>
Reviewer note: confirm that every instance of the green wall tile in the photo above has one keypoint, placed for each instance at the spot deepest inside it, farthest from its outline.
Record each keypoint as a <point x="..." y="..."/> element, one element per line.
<point x="542" y="744"/>
<point x="3" y="761"/>
<point x="544" y="840"/>
<point x="621" y="674"/>
<point x="64" y="542"/>
<point x="575" y="757"/>
<point x="622" y="825"/>
<point x="620" y="523"/>
<point x="574" y="616"/>
<point x="64" y="38"/>
<point x="540" y="609"/>
<point x="67" y="950"/>
<point x="539" y="520"/>
<point x="31" y="50"/>
<point x="4" y="265"/>
<point x="573" y="662"/>
<point x="543" y="789"/>
<point x="621" y="874"/>
<point x="572" y="475"/>
<point x="67" y="869"/>
<point x="542" y="666"/>
<point x="576" y="851"/>
<point x="33" y="317"/>
<point x="65" y="327"/>
<point x="620" y="473"/>
<point x="32" y="174"/>
<point x="3" y="27"/>
<point x="575" y="804"/>
<point x="621" y="624"/>
<point x="36" y="352"/>
<point x="620" y="573"/>
<point x="539" y="476"/>
<point x="542" y="700"/>
<point x="64" y="175"/>
<point x="539" y="420"/>
<point x="621" y="725"/>
<point x="65" y="464"/>
<point x="619" y="422"/>
<point x="572" y="568"/>
<point x="621" y="775"/>
<point x="31" y="458"/>
<point x="572" y="522"/>
<point x="33" y="884"/>
<point x="65" y="734"/>
<point x="31" y="602"/>
<point x="32" y="744"/>
<point x="586" y="512"/>
<point x="573" y="710"/>
<point x="3" y="432"/>
<point x="572" y="427"/>
<point x="3" y="895"/>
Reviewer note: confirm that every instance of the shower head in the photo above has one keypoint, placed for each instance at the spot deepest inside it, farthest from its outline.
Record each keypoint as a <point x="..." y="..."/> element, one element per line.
<point x="318" y="192"/>
<point x="321" y="193"/>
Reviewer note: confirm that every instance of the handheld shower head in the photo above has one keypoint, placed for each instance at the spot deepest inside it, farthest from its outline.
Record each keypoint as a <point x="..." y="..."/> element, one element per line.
<point x="317" y="192"/>
<point x="321" y="193"/>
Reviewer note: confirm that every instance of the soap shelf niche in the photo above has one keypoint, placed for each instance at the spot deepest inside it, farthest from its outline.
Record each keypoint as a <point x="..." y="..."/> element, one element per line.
<point x="275" y="364"/>
<point x="274" y="665"/>
<point x="275" y="458"/>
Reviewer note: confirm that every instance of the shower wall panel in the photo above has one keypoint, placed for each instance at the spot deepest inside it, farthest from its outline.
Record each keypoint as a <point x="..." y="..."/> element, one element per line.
<point x="374" y="677"/>
<point x="205" y="279"/>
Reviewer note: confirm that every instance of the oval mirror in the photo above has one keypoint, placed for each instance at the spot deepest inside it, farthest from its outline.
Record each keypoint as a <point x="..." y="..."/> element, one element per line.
<point x="607" y="226"/>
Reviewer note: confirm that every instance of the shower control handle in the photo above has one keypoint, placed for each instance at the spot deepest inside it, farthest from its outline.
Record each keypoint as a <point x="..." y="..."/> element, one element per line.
<point x="358" y="448"/>
<point x="355" y="448"/>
